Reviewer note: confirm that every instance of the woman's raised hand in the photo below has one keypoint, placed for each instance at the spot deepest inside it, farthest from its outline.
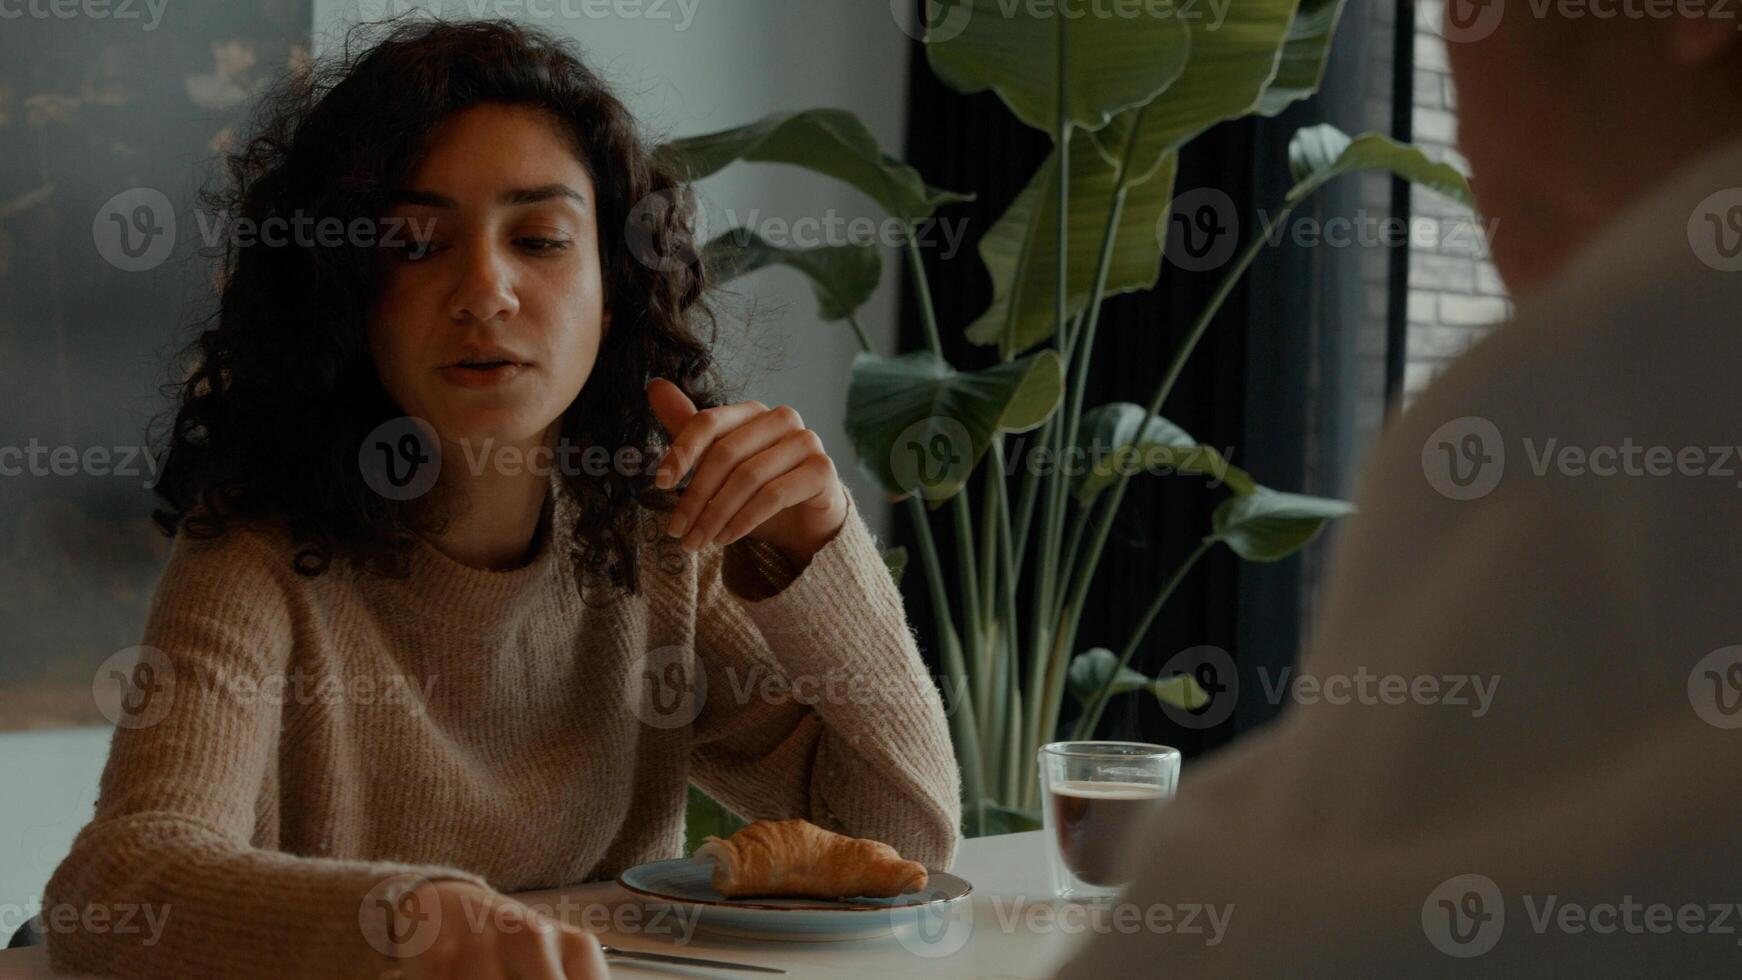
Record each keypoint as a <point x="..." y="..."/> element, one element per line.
<point x="758" y="472"/>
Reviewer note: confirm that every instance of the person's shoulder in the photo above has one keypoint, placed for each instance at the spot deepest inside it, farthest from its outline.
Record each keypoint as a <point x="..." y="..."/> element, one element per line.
<point x="246" y="566"/>
<point x="1638" y="327"/>
<point x="1633" y="345"/>
<point x="237" y="543"/>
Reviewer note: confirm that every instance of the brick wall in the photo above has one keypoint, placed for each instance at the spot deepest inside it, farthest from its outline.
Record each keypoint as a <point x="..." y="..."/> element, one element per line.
<point x="1455" y="296"/>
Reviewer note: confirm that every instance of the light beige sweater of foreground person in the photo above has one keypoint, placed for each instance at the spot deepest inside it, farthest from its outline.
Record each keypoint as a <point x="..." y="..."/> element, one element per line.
<point x="490" y="726"/>
<point x="1582" y="564"/>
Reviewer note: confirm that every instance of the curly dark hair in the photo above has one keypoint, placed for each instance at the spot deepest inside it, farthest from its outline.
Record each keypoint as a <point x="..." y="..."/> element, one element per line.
<point x="283" y="389"/>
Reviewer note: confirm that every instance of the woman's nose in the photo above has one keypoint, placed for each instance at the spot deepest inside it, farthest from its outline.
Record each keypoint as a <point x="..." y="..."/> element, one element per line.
<point x="485" y="290"/>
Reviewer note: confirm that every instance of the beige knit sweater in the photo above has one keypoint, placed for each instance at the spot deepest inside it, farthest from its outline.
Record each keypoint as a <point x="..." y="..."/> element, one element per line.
<point x="307" y="742"/>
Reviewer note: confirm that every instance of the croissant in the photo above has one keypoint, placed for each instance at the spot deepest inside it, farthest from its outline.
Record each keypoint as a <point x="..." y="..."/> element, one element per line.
<point x="796" y="858"/>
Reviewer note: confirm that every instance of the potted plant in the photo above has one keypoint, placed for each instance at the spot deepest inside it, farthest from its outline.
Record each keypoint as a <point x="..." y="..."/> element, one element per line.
<point x="1120" y="97"/>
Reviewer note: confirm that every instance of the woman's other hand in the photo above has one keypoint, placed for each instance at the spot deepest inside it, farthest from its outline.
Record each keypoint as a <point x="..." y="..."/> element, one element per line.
<point x="485" y="935"/>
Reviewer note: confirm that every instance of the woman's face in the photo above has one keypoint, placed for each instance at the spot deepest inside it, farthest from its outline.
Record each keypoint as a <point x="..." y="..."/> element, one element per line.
<point x="511" y="271"/>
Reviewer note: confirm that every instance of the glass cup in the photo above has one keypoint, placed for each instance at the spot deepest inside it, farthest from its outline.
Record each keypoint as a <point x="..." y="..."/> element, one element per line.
<point x="1097" y="799"/>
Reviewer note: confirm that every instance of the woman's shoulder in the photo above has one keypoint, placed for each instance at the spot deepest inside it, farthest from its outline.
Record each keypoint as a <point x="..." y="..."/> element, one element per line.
<point x="247" y="563"/>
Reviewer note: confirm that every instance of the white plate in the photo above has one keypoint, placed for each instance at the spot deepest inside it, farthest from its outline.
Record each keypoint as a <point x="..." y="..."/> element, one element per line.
<point x="688" y="883"/>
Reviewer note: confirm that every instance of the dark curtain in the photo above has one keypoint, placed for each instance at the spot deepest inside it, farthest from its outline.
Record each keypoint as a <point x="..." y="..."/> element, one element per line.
<point x="1275" y="372"/>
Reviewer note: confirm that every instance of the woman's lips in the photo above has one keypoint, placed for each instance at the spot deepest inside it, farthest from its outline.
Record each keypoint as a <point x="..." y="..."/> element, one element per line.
<point x="482" y="377"/>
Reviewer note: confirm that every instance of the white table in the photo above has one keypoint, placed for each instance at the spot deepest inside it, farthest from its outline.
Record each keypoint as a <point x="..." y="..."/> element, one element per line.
<point x="1014" y="930"/>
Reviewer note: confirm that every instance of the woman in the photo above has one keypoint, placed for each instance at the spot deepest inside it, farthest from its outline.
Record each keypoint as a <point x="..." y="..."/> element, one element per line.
<point x="436" y="629"/>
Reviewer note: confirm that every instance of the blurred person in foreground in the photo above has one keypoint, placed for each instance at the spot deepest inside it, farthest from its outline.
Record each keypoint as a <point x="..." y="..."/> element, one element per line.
<point x="1554" y="514"/>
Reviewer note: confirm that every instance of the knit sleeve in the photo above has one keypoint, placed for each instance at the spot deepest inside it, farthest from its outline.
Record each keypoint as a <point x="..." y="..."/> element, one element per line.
<point x="164" y="882"/>
<point x="817" y="704"/>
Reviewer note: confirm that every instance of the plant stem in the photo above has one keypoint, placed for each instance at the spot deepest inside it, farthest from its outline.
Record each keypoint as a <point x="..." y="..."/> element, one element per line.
<point x="968" y="584"/>
<point x="1041" y="622"/>
<point x="1045" y="581"/>
<point x="1011" y="783"/>
<point x="1007" y="689"/>
<point x="1097" y="704"/>
<point x="962" y="723"/>
<point x="1116" y="494"/>
<point x="859" y="331"/>
<point x="993" y="717"/>
<point x="1062" y="612"/>
<point x="992" y="479"/>
<point x="922" y="295"/>
<point x="1074" y="544"/>
<point x="1085" y="344"/>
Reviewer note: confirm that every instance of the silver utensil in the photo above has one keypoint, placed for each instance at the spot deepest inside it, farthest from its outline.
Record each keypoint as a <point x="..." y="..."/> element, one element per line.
<point x="636" y="954"/>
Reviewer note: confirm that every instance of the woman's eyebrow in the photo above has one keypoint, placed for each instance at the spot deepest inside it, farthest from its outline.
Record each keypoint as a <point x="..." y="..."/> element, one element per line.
<point x="543" y="192"/>
<point x="513" y="196"/>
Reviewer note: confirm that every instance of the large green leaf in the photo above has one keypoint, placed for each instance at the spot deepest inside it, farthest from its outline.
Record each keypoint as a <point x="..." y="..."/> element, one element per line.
<point x="1268" y="526"/>
<point x="1302" y="66"/>
<point x="1117" y="56"/>
<point x="1118" y="437"/>
<point x="1090" y="669"/>
<point x="842" y="276"/>
<point x="1224" y="78"/>
<point x="1021" y="250"/>
<point x="921" y="426"/>
<point x="829" y="141"/>
<point x="1317" y="154"/>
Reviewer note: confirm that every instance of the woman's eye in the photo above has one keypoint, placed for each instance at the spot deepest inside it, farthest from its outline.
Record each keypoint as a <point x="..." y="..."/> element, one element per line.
<point x="534" y="244"/>
<point x="417" y="251"/>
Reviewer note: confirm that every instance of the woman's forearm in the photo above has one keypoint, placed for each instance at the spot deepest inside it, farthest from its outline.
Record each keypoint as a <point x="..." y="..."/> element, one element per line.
<point x="847" y="684"/>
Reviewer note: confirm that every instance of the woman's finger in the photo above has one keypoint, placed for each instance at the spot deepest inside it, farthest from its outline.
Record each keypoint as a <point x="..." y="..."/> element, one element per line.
<point x="750" y="476"/>
<point x="720" y="458"/>
<point x="533" y="950"/>
<point x="810" y="480"/>
<point x="582" y="958"/>
<point x="697" y="435"/>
